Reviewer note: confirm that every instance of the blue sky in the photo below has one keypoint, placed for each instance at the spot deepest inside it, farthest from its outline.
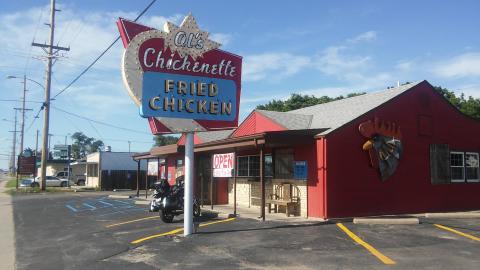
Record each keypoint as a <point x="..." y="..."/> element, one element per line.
<point x="312" y="47"/>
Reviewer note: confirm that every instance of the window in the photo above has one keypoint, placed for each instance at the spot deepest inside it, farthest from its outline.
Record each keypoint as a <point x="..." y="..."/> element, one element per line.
<point x="471" y="167"/>
<point x="456" y="166"/>
<point x="268" y="166"/>
<point x="179" y="163"/>
<point x="92" y="170"/>
<point x="249" y="166"/>
<point x="179" y="168"/>
<point x="242" y="166"/>
<point x="284" y="163"/>
<point x="464" y="166"/>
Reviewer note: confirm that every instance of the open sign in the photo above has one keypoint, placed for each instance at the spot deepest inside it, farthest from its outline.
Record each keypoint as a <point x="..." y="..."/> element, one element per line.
<point x="223" y="165"/>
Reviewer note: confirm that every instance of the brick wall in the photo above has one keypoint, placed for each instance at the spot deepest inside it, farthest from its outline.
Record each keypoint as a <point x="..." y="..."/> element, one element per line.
<point x="249" y="193"/>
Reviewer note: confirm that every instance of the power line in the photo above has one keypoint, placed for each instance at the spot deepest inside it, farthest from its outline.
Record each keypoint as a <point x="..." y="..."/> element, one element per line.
<point x="19" y="100"/>
<point x="34" y="118"/>
<point x="34" y="36"/>
<point x="101" y="55"/>
<point x="99" y="122"/>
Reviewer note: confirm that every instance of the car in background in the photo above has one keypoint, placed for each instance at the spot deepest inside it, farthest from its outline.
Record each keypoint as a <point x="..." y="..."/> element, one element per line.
<point x="76" y="179"/>
<point x="51" y="181"/>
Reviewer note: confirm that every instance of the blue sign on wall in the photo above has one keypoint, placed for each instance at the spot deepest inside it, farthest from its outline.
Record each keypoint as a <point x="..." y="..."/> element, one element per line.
<point x="300" y="170"/>
<point x="184" y="96"/>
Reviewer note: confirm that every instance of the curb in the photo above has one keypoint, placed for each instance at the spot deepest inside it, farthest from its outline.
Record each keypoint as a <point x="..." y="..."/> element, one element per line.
<point x="120" y="196"/>
<point x="142" y="202"/>
<point x="453" y="215"/>
<point x="386" y="221"/>
<point x="217" y="214"/>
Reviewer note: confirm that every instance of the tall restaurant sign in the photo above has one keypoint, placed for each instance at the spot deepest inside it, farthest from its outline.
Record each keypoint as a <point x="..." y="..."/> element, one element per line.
<point x="179" y="78"/>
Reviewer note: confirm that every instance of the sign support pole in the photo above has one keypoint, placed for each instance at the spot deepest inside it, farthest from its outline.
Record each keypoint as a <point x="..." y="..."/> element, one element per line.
<point x="235" y="183"/>
<point x="211" y="183"/>
<point x="188" y="202"/>
<point x="146" y="181"/>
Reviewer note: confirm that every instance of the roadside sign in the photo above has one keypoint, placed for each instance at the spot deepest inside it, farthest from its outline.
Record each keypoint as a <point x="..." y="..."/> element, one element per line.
<point x="179" y="78"/>
<point x="223" y="165"/>
<point x="26" y="165"/>
<point x="60" y="147"/>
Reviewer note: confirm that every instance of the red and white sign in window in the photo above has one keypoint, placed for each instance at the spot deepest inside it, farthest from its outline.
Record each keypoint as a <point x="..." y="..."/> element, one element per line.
<point x="223" y="165"/>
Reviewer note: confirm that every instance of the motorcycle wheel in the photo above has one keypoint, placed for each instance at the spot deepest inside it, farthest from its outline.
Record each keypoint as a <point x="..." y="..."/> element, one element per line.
<point x="166" y="216"/>
<point x="196" y="209"/>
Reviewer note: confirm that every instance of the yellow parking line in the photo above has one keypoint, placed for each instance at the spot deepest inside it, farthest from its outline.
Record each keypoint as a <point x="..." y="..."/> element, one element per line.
<point x="215" y="222"/>
<point x="457" y="232"/>
<point x="157" y="235"/>
<point x="375" y="252"/>
<point x="130" y="221"/>
<point x="178" y="231"/>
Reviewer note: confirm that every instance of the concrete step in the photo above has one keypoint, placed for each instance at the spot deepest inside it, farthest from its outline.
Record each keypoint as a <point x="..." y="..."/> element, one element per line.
<point x="386" y="221"/>
<point x="474" y="214"/>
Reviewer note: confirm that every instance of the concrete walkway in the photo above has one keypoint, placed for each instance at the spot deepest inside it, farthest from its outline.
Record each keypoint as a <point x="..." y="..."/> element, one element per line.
<point x="7" y="232"/>
<point x="226" y="210"/>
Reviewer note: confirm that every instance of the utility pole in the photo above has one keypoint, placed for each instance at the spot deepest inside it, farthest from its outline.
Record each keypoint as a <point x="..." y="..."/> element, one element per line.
<point x="50" y="55"/>
<point x="23" y="113"/>
<point x="23" y="124"/>
<point x="36" y="154"/>
<point x="129" y="142"/>
<point x="36" y="143"/>
<point x="14" y="171"/>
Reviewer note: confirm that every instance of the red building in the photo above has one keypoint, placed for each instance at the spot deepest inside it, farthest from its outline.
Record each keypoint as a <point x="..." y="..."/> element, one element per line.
<point x="401" y="150"/>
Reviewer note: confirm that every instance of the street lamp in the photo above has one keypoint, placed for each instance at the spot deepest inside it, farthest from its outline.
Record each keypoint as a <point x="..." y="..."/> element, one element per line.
<point x="23" y="109"/>
<point x="28" y="79"/>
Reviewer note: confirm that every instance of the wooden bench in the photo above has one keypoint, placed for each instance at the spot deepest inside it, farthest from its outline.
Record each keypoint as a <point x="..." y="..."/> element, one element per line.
<point x="286" y="195"/>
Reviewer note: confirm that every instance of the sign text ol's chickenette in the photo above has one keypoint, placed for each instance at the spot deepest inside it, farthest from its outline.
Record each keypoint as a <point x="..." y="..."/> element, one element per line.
<point x="178" y="75"/>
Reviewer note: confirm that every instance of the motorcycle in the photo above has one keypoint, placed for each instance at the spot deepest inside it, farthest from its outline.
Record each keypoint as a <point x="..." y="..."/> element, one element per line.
<point x="169" y="203"/>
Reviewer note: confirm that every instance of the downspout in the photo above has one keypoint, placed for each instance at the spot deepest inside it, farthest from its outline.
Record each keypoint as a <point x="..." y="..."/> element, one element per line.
<point x="324" y="177"/>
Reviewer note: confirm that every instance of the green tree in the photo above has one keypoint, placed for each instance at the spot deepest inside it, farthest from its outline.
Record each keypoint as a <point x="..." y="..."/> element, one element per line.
<point x="469" y="106"/>
<point x="161" y="140"/>
<point x="84" y="145"/>
<point x="298" y="101"/>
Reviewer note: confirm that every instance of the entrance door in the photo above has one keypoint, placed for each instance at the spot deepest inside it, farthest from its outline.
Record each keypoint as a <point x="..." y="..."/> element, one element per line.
<point x="204" y="177"/>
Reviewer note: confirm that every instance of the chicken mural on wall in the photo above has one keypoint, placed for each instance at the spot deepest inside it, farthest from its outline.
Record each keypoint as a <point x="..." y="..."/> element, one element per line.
<point x="384" y="145"/>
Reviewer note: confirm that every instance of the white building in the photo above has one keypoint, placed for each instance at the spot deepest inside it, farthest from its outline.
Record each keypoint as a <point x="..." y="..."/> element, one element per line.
<point x="109" y="170"/>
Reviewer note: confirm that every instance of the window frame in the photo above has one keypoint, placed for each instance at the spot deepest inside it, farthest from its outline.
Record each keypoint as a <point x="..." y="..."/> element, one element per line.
<point x="477" y="180"/>
<point x="249" y="175"/>
<point x="463" y="167"/>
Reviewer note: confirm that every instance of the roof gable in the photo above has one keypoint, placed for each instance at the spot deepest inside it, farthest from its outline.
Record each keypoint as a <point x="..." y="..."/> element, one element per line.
<point x="257" y="123"/>
<point x="335" y="114"/>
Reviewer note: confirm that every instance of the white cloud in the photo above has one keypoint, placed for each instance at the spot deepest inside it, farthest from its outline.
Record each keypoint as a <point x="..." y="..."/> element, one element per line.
<point x="327" y="91"/>
<point x="221" y="38"/>
<point x="332" y="62"/>
<point x="472" y="90"/>
<point x="404" y="65"/>
<point x="262" y="66"/>
<point x="364" y="37"/>
<point x="461" y="66"/>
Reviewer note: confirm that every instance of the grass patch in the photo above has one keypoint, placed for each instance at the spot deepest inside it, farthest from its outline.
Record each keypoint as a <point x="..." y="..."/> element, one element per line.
<point x="12" y="183"/>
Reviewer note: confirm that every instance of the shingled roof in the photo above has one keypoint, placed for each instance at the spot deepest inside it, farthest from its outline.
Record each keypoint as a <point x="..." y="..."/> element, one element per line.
<point x="335" y="114"/>
<point x="216" y="135"/>
<point x="289" y="120"/>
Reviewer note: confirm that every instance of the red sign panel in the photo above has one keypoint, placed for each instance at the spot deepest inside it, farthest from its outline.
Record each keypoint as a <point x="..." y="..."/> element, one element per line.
<point x="179" y="78"/>
<point x="26" y="165"/>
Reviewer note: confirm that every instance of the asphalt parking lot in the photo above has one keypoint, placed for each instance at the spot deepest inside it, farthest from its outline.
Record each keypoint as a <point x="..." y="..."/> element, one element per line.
<point x="88" y="231"/>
